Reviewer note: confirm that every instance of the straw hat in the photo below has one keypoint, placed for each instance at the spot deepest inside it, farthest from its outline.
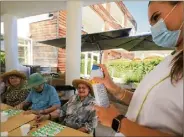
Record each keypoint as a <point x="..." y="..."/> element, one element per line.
<point x="76" y="82"/>
<point x="35" y="79"/>
<point x="14" y="73"/>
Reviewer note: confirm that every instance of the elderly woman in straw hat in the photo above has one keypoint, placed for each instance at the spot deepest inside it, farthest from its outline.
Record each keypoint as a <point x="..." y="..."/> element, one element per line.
<point x="78" y="112"/>
<point x="16" y="91"/>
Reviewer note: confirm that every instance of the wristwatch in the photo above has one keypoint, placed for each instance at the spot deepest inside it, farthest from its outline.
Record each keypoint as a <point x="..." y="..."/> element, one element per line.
<point x="116" y="123"/>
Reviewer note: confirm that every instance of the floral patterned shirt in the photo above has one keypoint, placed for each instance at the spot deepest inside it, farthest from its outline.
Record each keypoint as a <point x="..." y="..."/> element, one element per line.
<point x="14" y="95"/>
<point x="79" y="113"/>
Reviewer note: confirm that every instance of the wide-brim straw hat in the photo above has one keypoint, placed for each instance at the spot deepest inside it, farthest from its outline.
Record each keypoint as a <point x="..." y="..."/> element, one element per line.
<point x="13" y="73"/>
<point x="76" y="82"/>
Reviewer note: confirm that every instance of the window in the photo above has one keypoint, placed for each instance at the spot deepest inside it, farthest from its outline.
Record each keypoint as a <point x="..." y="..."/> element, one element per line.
<point x="23" y="50"/>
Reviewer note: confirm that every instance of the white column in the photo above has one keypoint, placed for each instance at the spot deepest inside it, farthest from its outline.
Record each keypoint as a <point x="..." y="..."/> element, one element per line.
<point x="73" y="40"/>
<point x="11" y="42"/>
<point x="98" y="58"/>
<point x="30" y="52"/>
<point x="92" y="59"/>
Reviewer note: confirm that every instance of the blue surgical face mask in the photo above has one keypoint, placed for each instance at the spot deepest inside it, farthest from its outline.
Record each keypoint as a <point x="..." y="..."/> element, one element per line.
<point x="164" y="37"/>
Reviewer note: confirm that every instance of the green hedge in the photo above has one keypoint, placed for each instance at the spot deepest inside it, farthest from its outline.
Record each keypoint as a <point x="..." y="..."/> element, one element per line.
<point x="132" y="71"/>
<point x="129" y="71"/>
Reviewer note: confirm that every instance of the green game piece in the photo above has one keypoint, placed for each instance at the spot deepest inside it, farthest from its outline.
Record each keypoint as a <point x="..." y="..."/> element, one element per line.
<point x="51" y="129"/>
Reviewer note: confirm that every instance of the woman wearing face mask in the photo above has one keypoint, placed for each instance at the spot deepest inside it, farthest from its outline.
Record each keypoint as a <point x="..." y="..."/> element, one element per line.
<point x="156" y="107"/>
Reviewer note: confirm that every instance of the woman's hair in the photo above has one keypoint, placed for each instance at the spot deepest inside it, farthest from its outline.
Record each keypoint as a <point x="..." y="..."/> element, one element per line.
<point x="170" y="2"/>
<point x="177" y="68"/>
<point x="177" y="63"/>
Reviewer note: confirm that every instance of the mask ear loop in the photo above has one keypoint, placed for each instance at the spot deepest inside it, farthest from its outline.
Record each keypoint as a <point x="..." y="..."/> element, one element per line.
<point x="170" y="11"/>
<point x="181" y="25"/>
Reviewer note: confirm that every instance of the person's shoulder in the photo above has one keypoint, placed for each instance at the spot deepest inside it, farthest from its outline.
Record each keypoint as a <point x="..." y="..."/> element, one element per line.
<point x="73" y="97"/>
<point x="165" y="62"/>
<point x="169" y="57"/>
<point x="32" y="93"/>
<point x="50" y="88"/>
<point x="91" y="99"/>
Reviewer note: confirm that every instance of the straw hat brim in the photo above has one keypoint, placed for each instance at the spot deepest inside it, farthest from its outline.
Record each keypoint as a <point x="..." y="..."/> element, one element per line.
<point x="76" y="82"/>
<point x="14" y="73"/>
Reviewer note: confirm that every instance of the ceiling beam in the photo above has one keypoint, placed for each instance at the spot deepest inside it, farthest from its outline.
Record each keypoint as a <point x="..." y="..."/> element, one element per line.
<point x="108" y="8"/>
<point x="123" y="8"/>
<point x="106" y="16"/>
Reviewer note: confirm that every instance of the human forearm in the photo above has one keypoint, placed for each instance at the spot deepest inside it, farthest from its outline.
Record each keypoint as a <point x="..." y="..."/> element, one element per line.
<point x="84" y="129"/>
<point x="23" y="105"/>
<point x="124" y="95"/>
<point x="49" y="110"/>
<point x="129" y="128"/>
<point x="55" y="114"/>
<point x="50" y="116"/>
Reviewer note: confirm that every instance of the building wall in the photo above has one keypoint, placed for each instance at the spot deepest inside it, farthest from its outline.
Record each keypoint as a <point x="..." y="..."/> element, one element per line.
<point x="62" y="33"/>
<point x="117" y="14"/>
<point x="44" y="55"/>
<point x="120" y="17"/>
<point x="92" y="23"/>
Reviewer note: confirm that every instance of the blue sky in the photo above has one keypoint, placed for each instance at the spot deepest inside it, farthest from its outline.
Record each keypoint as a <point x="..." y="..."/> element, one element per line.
<point x="139" y="11"/>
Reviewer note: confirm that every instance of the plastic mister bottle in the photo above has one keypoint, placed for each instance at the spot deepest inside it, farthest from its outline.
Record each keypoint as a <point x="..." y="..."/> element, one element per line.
<point x="99" y="89"/>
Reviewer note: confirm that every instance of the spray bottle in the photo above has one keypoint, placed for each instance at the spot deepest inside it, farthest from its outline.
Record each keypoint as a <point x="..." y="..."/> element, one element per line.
<point x="99" y="89"/>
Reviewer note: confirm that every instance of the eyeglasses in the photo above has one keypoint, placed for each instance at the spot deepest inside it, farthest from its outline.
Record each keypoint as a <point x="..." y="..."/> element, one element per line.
<point x="83" y="88"/>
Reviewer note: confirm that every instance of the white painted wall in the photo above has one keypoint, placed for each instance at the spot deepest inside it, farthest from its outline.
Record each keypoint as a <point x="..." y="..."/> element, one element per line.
<point x="116" y="13"/>
<point x="104" y="5"/>
<point x="92" y="23"/>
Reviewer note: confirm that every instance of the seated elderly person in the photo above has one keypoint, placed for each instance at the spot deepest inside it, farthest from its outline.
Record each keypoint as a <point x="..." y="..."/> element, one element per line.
<point x="16" y="91"/>
<point x="43" y="98"/>
<point x="78" y="112"/>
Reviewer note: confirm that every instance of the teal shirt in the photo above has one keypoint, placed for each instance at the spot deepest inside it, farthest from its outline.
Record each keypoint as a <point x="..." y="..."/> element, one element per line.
<point x="47" y="98"/>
